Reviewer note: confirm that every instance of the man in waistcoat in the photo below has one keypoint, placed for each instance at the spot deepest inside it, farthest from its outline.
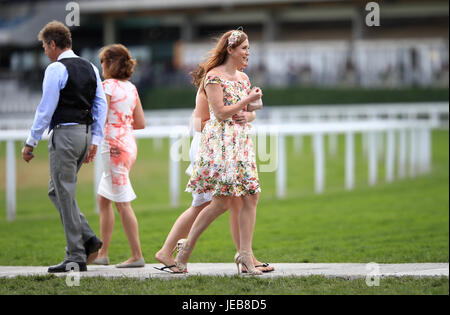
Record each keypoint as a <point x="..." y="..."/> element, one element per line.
<point x="74" y="107"/>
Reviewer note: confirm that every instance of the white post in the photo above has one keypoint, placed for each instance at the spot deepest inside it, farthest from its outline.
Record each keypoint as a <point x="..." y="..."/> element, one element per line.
<point x="412" y="153"/>
<point x="427" y="149"/>
<point x="319" y="163"/>
<point x="372" y="148"/>
<point x="420" y="151"/>
<point x="281" y="170"/>
<point x="174" y="171"/>
<point x="424" y="150"/>
<point x="10" y="180"/>
<point x="402" y="154"/>
<point x="390" y="155"/>
<point x="349" y="161"/>
<point x="98" y="172"/>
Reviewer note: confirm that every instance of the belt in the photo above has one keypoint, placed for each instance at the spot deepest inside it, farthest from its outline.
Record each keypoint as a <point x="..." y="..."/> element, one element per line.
<point x="77" y="126"/>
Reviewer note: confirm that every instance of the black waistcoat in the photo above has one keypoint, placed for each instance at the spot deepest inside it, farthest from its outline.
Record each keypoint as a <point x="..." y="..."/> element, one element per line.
<point x="77" y="97"/>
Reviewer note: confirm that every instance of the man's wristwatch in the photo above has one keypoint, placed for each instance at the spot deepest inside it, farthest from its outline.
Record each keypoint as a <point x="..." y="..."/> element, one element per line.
<point x="27" y="145"/>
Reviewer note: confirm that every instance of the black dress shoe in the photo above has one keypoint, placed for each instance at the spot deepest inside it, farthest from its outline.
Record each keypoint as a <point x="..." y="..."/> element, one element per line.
<point x="68" y="265"/>
<point x="92" y="246"/>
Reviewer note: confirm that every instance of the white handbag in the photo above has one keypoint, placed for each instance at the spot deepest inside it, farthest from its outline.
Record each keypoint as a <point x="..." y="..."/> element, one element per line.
<point x="258" y="104"/>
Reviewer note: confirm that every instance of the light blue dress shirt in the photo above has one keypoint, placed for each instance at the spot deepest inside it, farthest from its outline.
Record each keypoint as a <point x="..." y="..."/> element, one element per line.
<point x="55" y="79"/>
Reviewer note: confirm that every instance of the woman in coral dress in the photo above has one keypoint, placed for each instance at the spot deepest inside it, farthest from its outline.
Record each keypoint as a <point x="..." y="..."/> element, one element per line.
<point x="119" y="152"/>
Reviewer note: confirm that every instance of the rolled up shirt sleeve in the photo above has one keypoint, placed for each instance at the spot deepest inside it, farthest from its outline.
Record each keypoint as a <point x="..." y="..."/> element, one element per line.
<point x="99" y="110"/>
<point x="52" y="84"/>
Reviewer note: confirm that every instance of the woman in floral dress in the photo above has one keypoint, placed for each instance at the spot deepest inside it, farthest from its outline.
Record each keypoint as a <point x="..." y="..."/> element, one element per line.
<point x="184" y="222"/>
<point x="225" y="164"/>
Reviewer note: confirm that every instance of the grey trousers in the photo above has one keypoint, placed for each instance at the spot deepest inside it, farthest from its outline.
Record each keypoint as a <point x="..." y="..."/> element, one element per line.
<point x="68" y="147"/>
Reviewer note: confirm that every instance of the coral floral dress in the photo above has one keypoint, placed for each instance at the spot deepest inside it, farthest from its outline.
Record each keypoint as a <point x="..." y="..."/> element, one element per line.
<point x="119" y="148"/>
<point x="225" y="164"/>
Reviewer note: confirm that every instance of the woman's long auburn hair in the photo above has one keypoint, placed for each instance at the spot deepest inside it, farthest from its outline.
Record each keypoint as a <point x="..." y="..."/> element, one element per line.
<point x="215" y="57"/>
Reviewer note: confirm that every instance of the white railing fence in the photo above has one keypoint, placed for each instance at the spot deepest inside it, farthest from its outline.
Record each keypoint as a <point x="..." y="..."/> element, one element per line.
<point x="411" y="138"/>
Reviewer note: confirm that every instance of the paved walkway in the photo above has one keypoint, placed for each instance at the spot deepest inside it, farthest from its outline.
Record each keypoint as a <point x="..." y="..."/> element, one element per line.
<point x="349" y="271"/>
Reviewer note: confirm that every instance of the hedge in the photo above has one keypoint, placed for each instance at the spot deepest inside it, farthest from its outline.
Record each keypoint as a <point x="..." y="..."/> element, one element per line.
<point x="163" y="97"/>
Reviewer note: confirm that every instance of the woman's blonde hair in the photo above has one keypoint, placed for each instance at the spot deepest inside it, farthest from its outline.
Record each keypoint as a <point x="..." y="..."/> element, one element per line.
<point x="118" y="62"/>
<point x="217" y="56"/>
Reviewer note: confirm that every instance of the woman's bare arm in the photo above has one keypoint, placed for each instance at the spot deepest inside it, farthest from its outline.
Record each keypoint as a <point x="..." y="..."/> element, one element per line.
<point x="222" y="112"/>
<point x="108" y="101"/>
<point x="250" y="116"/>
<point x="138" y="116"/>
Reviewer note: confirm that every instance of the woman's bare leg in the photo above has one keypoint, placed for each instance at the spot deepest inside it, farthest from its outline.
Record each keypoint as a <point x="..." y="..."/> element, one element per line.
<point x="247" y="218"/>
<point x="219" y="205"/>
<point x="130" y="225"/>
<point x="106" y="224"/>
<point x="180" y="229"/>
<point x="235" y="210"/>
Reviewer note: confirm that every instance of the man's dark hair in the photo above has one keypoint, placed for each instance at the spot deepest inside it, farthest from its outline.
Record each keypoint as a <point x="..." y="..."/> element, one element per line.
<point x="57" y="32"/>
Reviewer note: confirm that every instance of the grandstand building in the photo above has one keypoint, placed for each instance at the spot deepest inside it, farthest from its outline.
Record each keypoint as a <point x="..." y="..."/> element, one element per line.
<point x="296" y="42"/>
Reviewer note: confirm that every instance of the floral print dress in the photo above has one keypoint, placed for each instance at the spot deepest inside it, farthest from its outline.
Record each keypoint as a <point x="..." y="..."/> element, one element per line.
<point x="119" y="147"/>
<point x="225" y="164"/>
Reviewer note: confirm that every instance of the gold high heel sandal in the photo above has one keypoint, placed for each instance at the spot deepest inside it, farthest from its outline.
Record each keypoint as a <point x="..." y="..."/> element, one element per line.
<point x="245" y="258"/>
<point x="183" y="249"/>
<point x="266" y="266"/>
<point x="179" y="245"/>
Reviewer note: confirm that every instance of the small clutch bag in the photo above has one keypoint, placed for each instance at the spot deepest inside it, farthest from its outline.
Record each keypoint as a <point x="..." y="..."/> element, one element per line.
<point x="258" y="104"/>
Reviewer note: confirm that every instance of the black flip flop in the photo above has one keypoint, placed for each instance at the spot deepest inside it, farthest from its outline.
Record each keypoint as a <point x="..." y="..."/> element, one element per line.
<point x="168" y="267"/>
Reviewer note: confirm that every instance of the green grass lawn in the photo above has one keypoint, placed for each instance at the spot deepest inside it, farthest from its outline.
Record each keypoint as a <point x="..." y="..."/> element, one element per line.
<point x="401" y="222"/>
<point x="207" y="285"/>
